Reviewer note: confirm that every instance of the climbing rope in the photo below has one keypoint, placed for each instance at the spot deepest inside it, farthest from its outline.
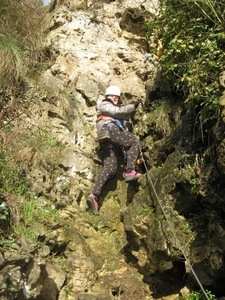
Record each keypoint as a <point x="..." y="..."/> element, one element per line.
<point x="151" y="185"/>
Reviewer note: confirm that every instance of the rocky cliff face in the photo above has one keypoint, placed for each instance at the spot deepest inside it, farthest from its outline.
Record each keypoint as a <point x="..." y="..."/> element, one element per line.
<point x="148" y="235"/>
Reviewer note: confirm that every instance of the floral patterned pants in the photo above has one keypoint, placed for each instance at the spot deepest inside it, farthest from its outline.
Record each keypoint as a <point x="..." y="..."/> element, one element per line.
<point x="123" y="139"/>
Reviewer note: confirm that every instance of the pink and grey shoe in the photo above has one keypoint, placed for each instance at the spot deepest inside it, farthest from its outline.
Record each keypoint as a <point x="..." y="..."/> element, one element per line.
<point x="92" y="204"/>
<point x="132" y="176"/>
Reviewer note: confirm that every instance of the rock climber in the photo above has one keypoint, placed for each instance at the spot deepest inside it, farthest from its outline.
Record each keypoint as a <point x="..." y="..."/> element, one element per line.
<point x="111" y="133"/>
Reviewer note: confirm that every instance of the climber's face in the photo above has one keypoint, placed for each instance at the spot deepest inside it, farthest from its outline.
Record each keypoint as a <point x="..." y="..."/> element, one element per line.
<point x="114" y="99"/>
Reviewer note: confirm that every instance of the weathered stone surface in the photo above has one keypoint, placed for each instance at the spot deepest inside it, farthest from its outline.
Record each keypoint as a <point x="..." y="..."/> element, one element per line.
<point x="222" y="79"/>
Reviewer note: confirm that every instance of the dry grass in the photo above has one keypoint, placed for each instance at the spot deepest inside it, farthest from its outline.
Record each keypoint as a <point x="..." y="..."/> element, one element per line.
<point x="22" y="28"/>
<point x="11" y="62"/>
<point x="29" y="145"/>
<point x="22" y="32"/>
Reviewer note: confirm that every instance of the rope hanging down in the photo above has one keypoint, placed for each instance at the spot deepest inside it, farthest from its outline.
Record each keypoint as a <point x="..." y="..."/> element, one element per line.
<point x="151" y="185"/>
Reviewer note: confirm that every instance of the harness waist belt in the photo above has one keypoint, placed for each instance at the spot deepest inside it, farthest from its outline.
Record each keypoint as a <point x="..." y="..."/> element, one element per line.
<point x="99" y="117"/>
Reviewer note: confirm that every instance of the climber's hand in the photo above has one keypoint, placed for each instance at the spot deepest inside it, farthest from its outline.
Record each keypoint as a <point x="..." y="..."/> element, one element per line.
<point x="136" y="103"/>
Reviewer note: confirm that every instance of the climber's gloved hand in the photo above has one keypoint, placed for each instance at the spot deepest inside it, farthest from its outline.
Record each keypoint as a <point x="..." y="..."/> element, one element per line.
<point x="136" y="103"/>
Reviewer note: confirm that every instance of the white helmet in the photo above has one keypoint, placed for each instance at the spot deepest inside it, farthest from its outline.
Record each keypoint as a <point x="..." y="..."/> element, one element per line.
<point x="112" y="90"/>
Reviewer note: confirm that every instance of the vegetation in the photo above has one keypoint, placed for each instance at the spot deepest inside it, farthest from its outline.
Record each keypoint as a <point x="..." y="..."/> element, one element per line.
<point x="199" y="296"/>
<point x="147" y="209"/>
<point x="36" y="216"/>
<point x="191" y="36"/>
<point x="191" y="50"/>
<point x="22" y="33"/>
<point x="21" y="42"/>
<point x="21" y="211"/>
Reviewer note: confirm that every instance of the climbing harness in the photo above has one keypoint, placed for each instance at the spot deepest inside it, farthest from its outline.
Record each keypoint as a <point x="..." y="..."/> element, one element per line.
<point x="107" y="127"/>
<point x="109" y="146"/>
<point x="119" y="124"/>
<point x="151" y="185"/>
<point x="110" y="123"/>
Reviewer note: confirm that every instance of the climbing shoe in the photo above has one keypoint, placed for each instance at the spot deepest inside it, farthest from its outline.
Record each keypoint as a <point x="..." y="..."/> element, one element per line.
<point x="132" y="176"/>
<point x="98" y="157"/>
<point x="92" y="204"/>
<point x="97" y="160"/>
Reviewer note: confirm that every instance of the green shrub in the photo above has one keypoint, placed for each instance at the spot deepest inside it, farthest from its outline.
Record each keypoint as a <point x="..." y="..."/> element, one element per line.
<point x="12" y="179"/>
<point x="199" y="296"/>
<point x="193" y="38"/>
<point x="37" y="216"/>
